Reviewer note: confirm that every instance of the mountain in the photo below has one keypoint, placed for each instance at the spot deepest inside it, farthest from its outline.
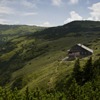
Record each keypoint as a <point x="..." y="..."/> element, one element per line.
<point x="31" y="56"/>
<point x="76" y="27"/>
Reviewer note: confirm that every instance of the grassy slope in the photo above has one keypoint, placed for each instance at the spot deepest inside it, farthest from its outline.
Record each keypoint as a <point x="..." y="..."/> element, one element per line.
<point x="45" y="69"/>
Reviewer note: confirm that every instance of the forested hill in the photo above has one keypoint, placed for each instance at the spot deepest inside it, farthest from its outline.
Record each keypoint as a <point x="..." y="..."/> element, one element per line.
<point x="6" y="27"/>
<point x="76" y="27"/>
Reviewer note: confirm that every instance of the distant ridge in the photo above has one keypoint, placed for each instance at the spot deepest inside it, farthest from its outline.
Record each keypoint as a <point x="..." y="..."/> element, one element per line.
<point x="72" y="27"/>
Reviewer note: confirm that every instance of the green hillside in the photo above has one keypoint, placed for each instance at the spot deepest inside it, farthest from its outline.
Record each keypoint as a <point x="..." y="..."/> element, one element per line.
<point x="8" y="32"/>
<point x="75" y="28"/>
<point x="31" y="56"/>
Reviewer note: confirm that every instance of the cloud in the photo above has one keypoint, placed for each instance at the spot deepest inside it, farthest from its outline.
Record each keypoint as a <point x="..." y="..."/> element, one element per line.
<point x="46" y="24"/>
<point x="10" y="6"/>
<point x="27" y="3"/>
<point x="56" y="2"/>
<point x="29" y="14"/>
<point x="95" y="11"/>
<point x="16" y="7"/>
<point x="6" y="10"/>
<point x="94" y="14"/>
<point x="4" y="21"/>
<point x="89" y="18"/>
<point x="74" y="1"/>
<point x="73" y="16"/>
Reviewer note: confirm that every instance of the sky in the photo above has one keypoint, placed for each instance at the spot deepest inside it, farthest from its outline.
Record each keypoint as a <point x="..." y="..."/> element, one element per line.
<point x="48" y="13"/>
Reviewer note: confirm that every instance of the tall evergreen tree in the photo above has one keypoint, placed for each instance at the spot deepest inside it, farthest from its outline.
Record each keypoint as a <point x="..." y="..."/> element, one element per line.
<point x="96" y="68"/>
<point x="77" y="74"/>
<point x="27" y="94"/>
<point x="88" y="70"/>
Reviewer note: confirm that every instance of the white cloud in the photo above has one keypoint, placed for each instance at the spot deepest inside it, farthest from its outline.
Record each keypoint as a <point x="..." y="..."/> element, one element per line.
<point x="46" y="24"/>
<point x="29" y="14"/>
<point x="73" y="16"/>
<point x="16" y="22"/>
<point x="7" y="6"/>
<point x="95" y="13"/>
<point x="9" y="22"/>
<point x="89" y="18"/>
<point x="4" y="21"/>
<point x="6" y="10"/>
<point x="56" y="2"/>
<point x="74" y="1"/>
<point x="27" y="3"/>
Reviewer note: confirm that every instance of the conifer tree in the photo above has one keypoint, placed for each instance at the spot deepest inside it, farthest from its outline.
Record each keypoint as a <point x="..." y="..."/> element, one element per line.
<point x="77" y="72"/>
<point x="27" y="94"/>
<point x="88" y="70"/>
<point x="96" y="68"/>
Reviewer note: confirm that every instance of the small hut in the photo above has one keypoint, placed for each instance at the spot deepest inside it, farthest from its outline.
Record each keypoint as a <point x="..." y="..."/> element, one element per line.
<point x="79" y="51"/>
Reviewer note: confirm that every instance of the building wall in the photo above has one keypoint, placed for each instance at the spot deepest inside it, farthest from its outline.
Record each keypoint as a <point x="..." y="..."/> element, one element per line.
<point x="77" y="51"/>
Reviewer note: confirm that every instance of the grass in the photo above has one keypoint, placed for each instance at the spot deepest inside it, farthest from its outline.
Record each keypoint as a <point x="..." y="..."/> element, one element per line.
<point x="48" y="67"/>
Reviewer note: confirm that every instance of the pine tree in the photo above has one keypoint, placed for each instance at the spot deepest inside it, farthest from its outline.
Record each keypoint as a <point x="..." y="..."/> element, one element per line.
<point x="27" y="94"/>
<point x="88" y="70"/>
<point x="96" y="68"/>
<point x="77" y="72"/>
